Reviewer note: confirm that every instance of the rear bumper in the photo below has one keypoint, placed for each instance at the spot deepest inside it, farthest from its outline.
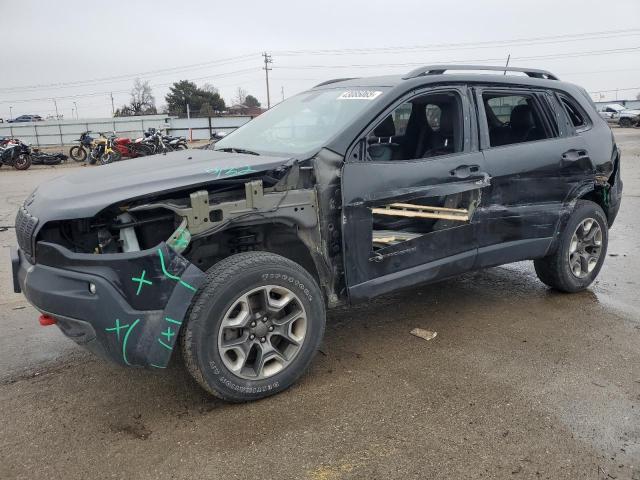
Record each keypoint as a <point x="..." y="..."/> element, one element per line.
<point x="128" y="321"/>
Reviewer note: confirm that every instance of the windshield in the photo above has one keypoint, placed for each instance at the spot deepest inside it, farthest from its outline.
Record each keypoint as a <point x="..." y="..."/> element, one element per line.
<point x="302" y="123"/>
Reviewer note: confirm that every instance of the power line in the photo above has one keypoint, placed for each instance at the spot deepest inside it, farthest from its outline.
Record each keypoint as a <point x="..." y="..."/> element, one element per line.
<point x="149" y="73"/>
<point x="348" y="51"/>
<point x="501" y="59"/>
<point x="463" y="45"/>
<point x="94" y="94"/>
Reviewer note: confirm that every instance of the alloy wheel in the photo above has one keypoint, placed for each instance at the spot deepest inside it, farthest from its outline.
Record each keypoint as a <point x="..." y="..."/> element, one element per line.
<point x="262" y="332"/>
<point x="585" y="247"/>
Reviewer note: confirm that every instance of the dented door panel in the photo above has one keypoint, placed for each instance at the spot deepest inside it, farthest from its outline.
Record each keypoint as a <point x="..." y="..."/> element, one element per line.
<point x="532" y="187"/>
<point x="370" y="185"/>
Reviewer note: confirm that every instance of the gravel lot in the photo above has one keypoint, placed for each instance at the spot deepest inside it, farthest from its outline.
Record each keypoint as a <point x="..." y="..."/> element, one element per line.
<point x="521" y="382"/>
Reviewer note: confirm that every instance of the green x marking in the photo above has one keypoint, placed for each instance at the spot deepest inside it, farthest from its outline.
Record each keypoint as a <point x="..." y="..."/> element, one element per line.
<point x="117" y="328"/>
<point x="169" y="333"/>
<point x="141" y="281"/>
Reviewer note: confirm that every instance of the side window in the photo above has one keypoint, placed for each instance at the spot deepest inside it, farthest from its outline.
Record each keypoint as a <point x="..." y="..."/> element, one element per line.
<point x="426" y="126"/>
<point x="575" y="114"/>
<point x="513" y="119"/>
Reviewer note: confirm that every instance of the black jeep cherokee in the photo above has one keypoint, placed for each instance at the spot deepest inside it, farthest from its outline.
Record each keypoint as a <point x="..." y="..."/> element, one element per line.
<point x="352" y="189"/>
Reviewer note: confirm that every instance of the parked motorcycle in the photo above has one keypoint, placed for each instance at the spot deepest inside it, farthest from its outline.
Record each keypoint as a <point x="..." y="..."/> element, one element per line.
<point x="131" y="149"/>
<point x="164" y="143"/>
<point x="16" y="154"/>
<point x="104" y="150"/>
<point x="79" y="152"/>
<point x="42" y="158"/>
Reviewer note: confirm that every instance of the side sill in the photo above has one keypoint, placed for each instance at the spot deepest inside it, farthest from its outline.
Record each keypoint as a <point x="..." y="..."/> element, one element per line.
<point x="428" y="272"/>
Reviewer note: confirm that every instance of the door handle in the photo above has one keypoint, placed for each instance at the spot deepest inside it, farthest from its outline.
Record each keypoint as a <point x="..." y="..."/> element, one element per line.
<point x="574" y="155"/>
<point x="464" y="171"/>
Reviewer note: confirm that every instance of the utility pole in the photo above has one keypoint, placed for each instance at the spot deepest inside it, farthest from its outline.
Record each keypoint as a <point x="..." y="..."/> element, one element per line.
<point x="282" y="90"/>
<point x="267" y="61"/>
<point x="76" y="107"/>
<point x="56" y="105"/>
<point x="189" y="122"/>
<point x="113" y="110"/>
<point x="10" y="113"/>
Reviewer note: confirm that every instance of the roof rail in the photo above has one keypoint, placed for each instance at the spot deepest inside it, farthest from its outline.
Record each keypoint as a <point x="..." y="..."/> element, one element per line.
<point x="440" y="69"/>
<point x="334" y="80"/>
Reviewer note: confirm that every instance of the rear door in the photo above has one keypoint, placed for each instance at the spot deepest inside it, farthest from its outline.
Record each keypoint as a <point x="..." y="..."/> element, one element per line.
<point x="410" y="188"/>
<point x="536" y="162"/>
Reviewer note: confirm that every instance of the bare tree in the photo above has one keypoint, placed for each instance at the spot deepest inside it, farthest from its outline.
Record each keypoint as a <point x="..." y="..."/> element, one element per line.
<point x="241" y="96"/>
<point x="142" y="100"/>
<point x="207" y="87"/>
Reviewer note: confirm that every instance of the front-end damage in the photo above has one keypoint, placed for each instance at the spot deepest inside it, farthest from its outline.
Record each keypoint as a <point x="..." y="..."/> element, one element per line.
<point x="121" y="281"/>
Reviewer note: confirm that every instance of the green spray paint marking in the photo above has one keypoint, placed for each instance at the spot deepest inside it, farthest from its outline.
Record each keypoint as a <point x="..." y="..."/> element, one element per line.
<point x="124" y="342"/>
<point x="141" y="280"/>
<point x="156" y="366"/>
<point x="168" y="347"/>
<point x="173" y="277"/>
<point x="229" y="172"/>
<point x="168" y="333"/>
<point x="171" y="320"/>
<point x="181" y="240"/>
<point x="117" y="328"/>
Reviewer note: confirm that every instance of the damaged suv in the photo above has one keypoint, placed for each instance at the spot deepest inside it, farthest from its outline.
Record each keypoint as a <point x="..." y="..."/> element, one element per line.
<point x="350" y="190"/>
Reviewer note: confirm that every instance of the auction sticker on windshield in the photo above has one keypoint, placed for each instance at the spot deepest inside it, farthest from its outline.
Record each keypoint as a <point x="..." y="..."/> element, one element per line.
<point x="360" y="95"/>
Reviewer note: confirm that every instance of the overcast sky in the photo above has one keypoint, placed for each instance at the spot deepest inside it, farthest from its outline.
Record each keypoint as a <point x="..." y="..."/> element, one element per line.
<point x="58" y="42"/>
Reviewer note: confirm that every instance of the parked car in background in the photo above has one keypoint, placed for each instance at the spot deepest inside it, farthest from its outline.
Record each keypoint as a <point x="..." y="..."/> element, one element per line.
<point x="627" y="118"/>
<point x="608" y="111"/>
<point x="26" y="118"/>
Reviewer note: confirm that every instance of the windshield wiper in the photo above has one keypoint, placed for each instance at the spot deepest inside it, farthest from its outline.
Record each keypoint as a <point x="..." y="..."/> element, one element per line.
<point x="238" y="150"/>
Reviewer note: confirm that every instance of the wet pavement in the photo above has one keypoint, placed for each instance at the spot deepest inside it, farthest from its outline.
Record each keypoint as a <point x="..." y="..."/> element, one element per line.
<point x="521" y="382"/>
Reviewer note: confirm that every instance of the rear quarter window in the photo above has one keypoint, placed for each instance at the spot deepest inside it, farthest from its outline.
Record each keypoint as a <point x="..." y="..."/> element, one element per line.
<point x="575" y="113"/>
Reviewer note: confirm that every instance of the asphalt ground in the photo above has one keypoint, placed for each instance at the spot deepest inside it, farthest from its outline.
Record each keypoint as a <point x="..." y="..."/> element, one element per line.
<point x="520" y="382"/>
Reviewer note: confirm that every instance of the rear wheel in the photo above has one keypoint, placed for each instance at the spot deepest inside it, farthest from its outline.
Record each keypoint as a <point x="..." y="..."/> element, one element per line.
<point x="626" y="122"/>
<point x="78" y="153"/>
<point x="581" y="250"/>
<point x="254" y="327"/>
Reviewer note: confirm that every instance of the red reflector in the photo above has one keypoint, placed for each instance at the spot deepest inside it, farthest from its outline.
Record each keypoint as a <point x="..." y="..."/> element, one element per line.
<point x="46" y="320"/>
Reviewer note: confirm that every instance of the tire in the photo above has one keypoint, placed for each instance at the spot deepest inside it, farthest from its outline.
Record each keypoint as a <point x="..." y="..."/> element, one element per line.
<point x="181" y="146"/>
<point x="78" y="153"/>
<point x="112" y="156"/>
<point x="558" y="270"/>
<point x="626" y="122"/>
<point x="144" y="150"/>
<point x="249" y="276"/>
<point x="23" y="162"/>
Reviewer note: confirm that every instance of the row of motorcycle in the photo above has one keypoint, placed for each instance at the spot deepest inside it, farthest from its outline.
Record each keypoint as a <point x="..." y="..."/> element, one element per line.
<point x="103" y="149"/>
<point x="111" y="148"/>
<point x="17" y="154"/>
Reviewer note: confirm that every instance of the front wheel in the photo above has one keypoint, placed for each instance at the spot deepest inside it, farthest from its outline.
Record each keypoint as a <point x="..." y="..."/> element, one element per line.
<point x="78" y="153"/>
<point x="254" y="327"/>
<point x="23" y="162"/>
<point x="581" y="251"/>
<point x="112" y="156"/>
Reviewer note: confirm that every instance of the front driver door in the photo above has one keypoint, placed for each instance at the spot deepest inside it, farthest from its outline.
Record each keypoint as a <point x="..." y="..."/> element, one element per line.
<point x="409" y="197"/>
